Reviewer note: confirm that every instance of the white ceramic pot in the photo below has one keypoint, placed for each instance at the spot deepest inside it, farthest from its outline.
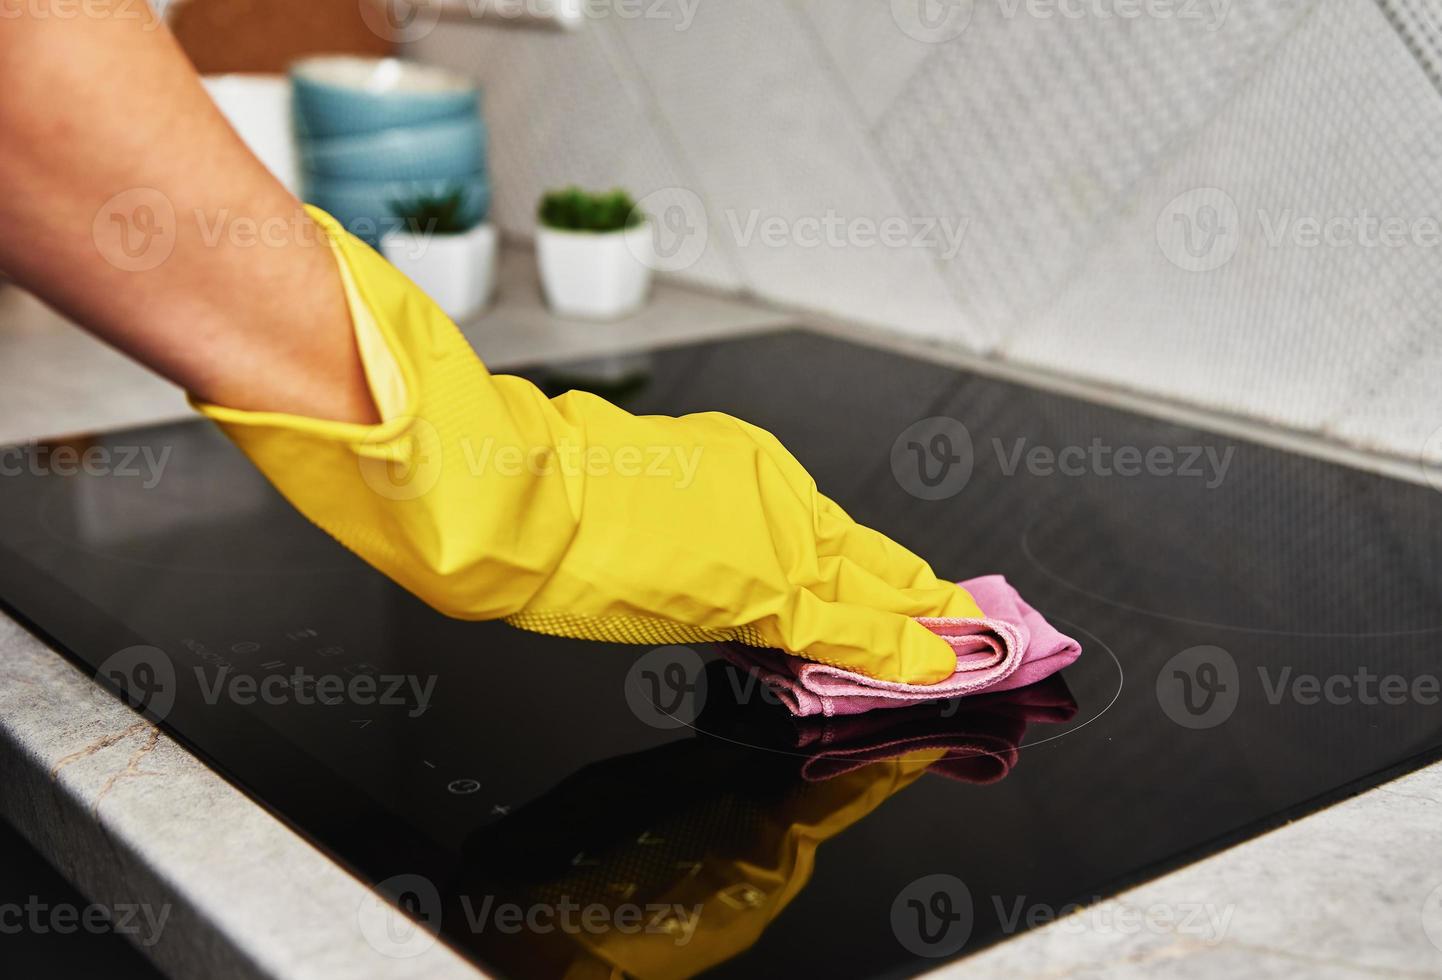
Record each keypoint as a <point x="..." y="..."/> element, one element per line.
<point x="258" y="109"/>
<point x="457" y="271"/>
<point x="596" y="276"/>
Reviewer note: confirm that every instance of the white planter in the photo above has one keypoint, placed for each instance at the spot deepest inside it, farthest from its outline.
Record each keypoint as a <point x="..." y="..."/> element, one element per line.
<point x="258" y="109"/>
<point x="596" y="276"/>
<point x="457" y="271"/>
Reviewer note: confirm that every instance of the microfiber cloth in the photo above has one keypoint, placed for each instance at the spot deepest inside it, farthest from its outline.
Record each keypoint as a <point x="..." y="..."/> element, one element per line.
<point x="1012" y="646"/>
<point x="982" y="740"/>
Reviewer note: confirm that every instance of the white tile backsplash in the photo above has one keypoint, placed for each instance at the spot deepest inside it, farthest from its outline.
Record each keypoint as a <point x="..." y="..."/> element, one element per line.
<point x="1060" y="144"/>
<point x="1331" y="127"/>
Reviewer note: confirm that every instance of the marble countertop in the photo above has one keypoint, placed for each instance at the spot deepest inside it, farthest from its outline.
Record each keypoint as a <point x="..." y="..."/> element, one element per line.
<point x="134" y="820"/>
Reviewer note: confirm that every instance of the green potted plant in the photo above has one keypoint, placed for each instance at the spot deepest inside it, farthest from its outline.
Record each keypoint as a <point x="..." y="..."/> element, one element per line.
<point x="446" y="249"/>
<point x="595" y="252"/>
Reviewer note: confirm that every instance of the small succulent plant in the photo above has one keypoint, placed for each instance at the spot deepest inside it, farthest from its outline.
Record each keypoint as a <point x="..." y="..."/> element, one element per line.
<point x="574" y="209"/>
<point x="436" y="214"/>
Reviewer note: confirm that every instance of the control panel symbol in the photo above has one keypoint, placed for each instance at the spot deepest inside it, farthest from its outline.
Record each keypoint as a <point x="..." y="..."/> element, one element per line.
<point x="672" y="925"/>
<point x="245" y="646"/>
<point x="464" y="787"/>
<point x="743" y="896"/>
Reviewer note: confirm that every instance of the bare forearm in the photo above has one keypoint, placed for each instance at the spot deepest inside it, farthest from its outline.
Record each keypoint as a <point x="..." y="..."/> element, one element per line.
<point x="132" y="207"/>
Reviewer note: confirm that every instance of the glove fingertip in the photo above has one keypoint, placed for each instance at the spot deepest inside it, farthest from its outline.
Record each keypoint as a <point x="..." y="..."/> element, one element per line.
<point x="924" y="657"/>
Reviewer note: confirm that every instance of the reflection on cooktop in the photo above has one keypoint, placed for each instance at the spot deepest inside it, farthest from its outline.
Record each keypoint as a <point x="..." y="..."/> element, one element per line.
<point x="707" y="842"/>
<point x="1259" y="638"/>
<point x="179" y="519"/>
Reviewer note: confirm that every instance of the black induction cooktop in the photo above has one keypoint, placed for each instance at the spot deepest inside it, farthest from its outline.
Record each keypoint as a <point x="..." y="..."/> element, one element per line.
<point x="1260" y="636"/>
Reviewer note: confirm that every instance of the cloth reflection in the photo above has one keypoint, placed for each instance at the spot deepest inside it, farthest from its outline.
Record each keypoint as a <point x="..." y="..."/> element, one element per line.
<point x="666" y="862"/>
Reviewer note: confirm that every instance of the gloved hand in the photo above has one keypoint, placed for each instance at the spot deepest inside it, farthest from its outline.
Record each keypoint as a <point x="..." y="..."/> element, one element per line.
<point x="571" y="517"/>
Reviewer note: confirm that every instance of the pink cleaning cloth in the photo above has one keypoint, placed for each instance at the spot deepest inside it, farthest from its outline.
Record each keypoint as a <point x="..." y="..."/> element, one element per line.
<point x="1011" y="647"/>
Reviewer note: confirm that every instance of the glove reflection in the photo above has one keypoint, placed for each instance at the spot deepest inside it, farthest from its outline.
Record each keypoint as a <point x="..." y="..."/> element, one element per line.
<point x="685" y="853"/>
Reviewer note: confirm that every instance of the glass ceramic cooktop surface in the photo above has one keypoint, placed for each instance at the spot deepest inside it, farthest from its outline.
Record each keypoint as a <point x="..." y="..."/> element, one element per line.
<point x="1259" y="634"/>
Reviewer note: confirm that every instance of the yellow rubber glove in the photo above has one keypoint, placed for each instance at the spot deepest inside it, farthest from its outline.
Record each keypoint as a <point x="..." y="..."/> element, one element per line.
<point x="571" y="517"/>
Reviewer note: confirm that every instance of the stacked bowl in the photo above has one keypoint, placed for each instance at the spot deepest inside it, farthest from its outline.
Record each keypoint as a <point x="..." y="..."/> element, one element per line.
<point x="378" y="135"/>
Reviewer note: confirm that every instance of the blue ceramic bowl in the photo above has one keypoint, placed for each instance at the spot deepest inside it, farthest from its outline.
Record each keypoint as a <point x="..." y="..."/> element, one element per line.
<point x="367" y="208"/>
<point x="451" y="148"/>
<point x="340" y="95"/>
